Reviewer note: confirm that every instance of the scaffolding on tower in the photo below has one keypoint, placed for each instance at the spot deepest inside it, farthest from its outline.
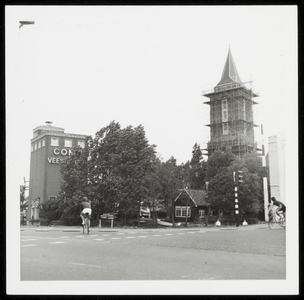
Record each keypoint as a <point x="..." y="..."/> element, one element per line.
<point x="231" y="118"/>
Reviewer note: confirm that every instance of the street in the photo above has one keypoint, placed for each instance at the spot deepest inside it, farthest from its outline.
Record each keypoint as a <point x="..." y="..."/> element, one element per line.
<point x="252" y="252"/>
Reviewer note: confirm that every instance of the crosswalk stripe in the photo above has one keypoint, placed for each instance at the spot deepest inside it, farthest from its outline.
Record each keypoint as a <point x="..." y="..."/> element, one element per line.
<point x="56" y="243"/>
<point x="29" y="245"/>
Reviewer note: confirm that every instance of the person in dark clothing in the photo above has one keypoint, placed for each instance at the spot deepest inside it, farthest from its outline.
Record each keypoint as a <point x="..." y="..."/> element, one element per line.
<point x="85" y="208"/>
<point x="281" y="208"/>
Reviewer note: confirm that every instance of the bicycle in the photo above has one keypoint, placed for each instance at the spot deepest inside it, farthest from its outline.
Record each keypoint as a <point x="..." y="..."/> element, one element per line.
<point x="86" y="225"/>
<point x="274" y="219"/>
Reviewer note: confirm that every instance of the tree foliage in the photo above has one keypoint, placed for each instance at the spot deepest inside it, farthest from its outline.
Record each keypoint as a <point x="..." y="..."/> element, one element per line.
<point x="220" y="168"/>
<point x="115" y="170"/>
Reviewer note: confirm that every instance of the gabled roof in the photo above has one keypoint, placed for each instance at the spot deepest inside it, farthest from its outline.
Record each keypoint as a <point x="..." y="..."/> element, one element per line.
<point x="199" y="197"/>
<point x="230" y="73"/>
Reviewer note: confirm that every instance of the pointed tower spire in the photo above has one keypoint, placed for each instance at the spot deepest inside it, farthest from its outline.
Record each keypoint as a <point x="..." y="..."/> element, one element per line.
<point x="230" y="73"/>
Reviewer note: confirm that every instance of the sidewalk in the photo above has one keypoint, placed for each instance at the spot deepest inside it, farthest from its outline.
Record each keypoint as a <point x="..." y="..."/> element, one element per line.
<point x="118" y="229"/>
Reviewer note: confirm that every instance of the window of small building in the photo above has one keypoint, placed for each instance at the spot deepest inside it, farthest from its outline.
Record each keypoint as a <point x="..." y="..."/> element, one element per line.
<point x="39" y="144"/>
<point x="54" y="141"/>
<point x="35" y="146"/>
<point x="180" y="211"/>
<point x="184" y="209"/>
<point x="81" y="144"/>
<point x="67" y="143"/>
<point x="43" y="142"/>
<point x="201" y="213"/>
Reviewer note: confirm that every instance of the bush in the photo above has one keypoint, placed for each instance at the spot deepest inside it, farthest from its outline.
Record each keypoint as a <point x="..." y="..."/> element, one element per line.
<point x="44" y="222"/>
<point x="50" y="211"/>
<point x="71" y="216"/>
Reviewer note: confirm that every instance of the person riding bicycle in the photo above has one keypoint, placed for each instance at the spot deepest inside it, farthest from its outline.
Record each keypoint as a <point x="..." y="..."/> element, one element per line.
<point x="281" y="208"/>
<point x="85" y="208"/>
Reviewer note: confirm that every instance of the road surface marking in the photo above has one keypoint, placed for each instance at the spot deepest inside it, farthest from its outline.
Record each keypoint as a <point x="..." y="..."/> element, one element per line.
<point x="120" y="233"/>
<point x="156" y="235"/>
<point x="64" y="237"/>
<point x="93" y="234"/>
<point x="180" y="233"/>
<point x="168" y="234"/>
<point x="80" y="236"/>
<point x="28" y="240"/>
<point x="115" y="238"/>
<point x="142" y="236"/>
<point x="29" y="245"/>
<point x="105" y="234"/>
<point x="191" y="232"/>
<point x="130" y="237"/>
<point x="98" y="239"/>
<point x="133" y="232"/>
<point x="56" y="242"/>
<point x="90" y="266"/>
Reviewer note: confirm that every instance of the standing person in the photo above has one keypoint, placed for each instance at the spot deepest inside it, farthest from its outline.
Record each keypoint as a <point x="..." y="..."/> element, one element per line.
<point x="85" y="208"/>
<point x="281" y="208"/>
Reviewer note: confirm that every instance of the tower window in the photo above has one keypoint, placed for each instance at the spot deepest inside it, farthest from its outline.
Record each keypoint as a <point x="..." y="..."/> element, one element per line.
<point x="39" y="144"/>
<point x="32" y="147"/>
<point x="43" y="142"/>
<point x="224" y="111"/>
<point x="244" y="109"/>
<point x="54" y="141"/>
<point x="225" y="128"/>
<point x="67" y="143"/>
<point x="35" y="146"/>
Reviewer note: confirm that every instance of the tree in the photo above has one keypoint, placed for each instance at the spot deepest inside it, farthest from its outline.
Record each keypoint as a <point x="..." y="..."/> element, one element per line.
<point x="115" y="170"/>
<point x="170" y="180"/>
<point x="197" y="169"/>
<point x="220" y="168"/>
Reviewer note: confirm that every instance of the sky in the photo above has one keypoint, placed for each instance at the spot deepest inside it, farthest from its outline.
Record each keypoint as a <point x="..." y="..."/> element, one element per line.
<point x="83" y="67"/>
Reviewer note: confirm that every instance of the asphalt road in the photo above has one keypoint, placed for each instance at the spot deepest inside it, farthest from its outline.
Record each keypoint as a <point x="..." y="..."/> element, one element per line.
<point x="156" y="254"/>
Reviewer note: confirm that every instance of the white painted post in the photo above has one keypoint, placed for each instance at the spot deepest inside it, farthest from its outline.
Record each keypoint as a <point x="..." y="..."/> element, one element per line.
<point x="265" y="198"/>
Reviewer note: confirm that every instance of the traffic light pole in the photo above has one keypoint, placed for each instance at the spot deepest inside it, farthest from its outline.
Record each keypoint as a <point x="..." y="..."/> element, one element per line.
<point x="236" y="206"/>
<point x="238" y="178"/>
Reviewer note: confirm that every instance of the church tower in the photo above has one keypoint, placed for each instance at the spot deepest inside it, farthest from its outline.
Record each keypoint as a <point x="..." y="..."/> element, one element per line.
<point x="231" y="115"/>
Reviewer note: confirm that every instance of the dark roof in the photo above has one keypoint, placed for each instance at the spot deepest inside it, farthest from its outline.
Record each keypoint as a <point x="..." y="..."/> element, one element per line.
<point x="230" y="73"/>
<point x="199" y="197"/>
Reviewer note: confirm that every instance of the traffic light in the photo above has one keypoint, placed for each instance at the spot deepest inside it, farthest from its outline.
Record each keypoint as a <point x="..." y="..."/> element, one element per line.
<point x="240" y="176"/>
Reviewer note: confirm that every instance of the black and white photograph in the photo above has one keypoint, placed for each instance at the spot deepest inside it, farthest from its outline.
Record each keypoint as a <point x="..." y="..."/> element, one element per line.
<point x="154" y="150"/>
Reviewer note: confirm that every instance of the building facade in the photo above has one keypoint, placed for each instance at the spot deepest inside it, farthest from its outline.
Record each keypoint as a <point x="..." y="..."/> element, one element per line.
<point x="276" y="156"/>
<point x="231" y="114"/>
<point x="49" y="146"/>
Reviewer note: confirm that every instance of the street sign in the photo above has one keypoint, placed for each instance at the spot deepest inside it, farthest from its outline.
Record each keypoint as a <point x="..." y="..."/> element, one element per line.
<point x="107" y="216"/>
